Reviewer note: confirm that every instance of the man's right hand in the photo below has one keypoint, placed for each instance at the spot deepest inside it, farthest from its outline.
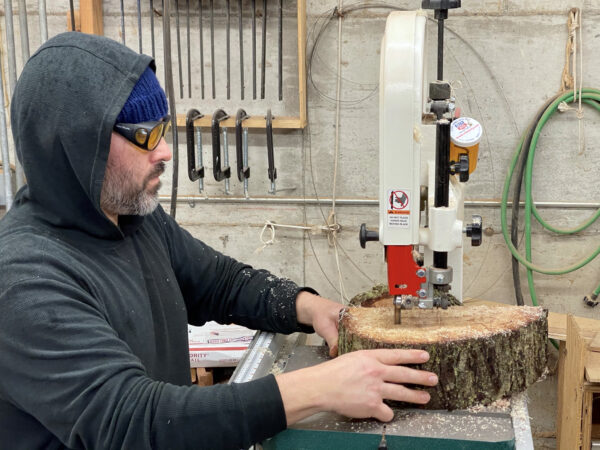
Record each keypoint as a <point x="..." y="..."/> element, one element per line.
<point x="355" y="384"/>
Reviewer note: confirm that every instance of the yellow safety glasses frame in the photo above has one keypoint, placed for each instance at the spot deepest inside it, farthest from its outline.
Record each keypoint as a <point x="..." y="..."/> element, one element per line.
<point x="145" y="135"/>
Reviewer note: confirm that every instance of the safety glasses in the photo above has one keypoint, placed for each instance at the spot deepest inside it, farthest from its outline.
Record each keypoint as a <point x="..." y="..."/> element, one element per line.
<point x="145" y="135"/>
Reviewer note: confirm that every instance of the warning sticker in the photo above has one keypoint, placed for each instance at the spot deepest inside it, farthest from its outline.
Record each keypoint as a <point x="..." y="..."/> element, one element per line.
<point x="398" y="208"/>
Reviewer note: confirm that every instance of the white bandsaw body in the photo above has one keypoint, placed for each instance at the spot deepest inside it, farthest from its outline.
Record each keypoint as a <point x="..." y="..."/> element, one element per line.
<point x="404" y="166"/>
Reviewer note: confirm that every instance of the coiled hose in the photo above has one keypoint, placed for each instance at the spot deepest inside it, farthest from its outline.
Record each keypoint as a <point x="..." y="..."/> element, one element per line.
<point x="524" y="157"/>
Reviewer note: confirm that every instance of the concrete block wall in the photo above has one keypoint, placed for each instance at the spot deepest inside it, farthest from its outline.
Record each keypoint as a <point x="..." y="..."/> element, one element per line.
<point x="504" y="58"/>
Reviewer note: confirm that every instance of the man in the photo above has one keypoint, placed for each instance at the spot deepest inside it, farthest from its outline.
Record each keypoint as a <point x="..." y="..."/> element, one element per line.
<point x="97" y="283"/>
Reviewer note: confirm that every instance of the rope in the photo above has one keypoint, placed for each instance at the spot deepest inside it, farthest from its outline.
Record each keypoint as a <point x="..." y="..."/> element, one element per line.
<point x="272" y="225"/>
<point x="570" y="79"/>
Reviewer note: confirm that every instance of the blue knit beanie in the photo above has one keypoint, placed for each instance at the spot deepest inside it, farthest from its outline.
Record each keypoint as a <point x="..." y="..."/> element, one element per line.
<point x="147" y="101"/>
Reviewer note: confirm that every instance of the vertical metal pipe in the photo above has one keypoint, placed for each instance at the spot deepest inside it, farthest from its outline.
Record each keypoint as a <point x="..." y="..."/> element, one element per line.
<point x="122" y="23"/>
<point x="72" y="11"/>
<point x="5" y="153"/>
<point x="189" y="54"/>
<point x="43" y="20"/>
<point x="241" y="33"/>
<point x="440" y="55"/>
<point x="264" y="50"/>
<point x="280" y="47"/>
<point x="254" y="49"/>
<point x="172" y="105"/>
<point x="228" y="51"/>
<point x="180" y="65"/>
<point x="201" y="30"/>
<point x="24" y="32"/>
<point x="12" y="77"/>
<point x="152" y="26"/>
<point x="10" y="45"/>
<point x="212" y="46"/>
<point x="139" y="12"/>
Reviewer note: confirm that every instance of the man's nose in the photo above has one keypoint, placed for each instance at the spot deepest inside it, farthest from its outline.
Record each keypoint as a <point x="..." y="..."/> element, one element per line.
<point x="162" y="152"/>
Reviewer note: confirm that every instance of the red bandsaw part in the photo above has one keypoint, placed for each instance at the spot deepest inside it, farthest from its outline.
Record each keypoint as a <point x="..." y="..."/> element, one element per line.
<point x="402" y="270"/>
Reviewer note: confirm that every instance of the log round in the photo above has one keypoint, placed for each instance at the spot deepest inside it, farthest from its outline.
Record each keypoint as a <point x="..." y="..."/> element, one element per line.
<point x="480" y="353"/>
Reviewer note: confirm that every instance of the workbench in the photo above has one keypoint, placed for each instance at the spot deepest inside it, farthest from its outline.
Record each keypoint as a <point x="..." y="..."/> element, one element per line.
<point x="503" y="425"/>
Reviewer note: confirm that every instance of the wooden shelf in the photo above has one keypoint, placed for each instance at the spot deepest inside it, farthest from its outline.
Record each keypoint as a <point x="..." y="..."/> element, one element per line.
<point x="251" y="122"/>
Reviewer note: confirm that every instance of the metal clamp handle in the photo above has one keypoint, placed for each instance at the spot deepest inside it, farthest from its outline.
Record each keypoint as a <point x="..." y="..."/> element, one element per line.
<point x="243" y="172"/>
<point x="193" y="173"/>
<point x="270" y="155"/>
<point x="218" y="172"/>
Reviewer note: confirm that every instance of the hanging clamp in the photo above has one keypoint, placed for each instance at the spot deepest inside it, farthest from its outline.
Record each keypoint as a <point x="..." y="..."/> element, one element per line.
<point x="270" y="155"/>
<point x="193" y="172"/>
<point x="241" y="149"/>
<point x="220" y="173"/>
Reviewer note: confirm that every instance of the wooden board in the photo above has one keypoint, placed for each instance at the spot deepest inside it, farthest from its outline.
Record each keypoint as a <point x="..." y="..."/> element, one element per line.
<point x="572" y="388"/>
<point x="557" y="326"/>
<point x="592" y="367"/>
<point x="478" y="354"/>
<point x="594" y="344"/>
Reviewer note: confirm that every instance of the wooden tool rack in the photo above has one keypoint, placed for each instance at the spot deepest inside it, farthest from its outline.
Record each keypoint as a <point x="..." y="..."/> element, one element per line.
<point x="89" y="19"/>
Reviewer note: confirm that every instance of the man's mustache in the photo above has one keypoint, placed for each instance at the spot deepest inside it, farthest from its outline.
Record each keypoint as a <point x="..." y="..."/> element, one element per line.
<point x="158" y="170"/>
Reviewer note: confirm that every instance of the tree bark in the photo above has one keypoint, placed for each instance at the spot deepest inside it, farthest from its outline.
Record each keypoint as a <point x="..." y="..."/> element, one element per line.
<point x="480" y="353"/>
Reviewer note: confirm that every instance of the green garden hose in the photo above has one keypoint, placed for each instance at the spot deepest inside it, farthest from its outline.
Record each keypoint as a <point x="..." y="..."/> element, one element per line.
<point x="590" y="97"/>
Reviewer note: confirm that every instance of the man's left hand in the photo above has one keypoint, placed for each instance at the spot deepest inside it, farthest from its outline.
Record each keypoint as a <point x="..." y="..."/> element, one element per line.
<point x="323" y="315"/>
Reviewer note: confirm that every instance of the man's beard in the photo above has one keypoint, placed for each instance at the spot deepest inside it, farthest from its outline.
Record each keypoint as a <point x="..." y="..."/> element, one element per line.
<point x="120" y="195"/>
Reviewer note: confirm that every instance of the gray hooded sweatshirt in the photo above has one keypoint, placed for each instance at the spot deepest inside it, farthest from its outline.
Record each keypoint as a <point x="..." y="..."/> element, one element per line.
<point x="93" y="334"/>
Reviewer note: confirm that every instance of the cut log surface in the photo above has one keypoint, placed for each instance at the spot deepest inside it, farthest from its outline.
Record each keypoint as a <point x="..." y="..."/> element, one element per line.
<point x="480" y="353"/>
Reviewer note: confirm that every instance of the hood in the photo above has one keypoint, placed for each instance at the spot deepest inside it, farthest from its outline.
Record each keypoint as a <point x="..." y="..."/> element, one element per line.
<point x="63" y="110"/>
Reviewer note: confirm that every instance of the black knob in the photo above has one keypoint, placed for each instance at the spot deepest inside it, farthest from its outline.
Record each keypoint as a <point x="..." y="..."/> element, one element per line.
<point x="365" y="235"/>
<point x="461" y="168"/>
<point x="474" y="231"/>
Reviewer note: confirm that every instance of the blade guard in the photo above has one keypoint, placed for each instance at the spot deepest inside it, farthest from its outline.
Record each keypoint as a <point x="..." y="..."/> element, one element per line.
<point x="402" y="271"/>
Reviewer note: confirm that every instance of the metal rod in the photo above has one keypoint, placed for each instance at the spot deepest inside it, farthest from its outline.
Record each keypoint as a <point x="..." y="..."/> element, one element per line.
<point x="122" y="23"/>
<point x="440" y="53"/>
<point x="152" y="26"/>
<point x="372" y="202"/>
<point x="72" y="11"/>
<point x="280" y="47"/>
<point x="43" y="20"/>
<point x="179" y="49"/>
<point x="245" y="159"/>
<point x="171" y="96"/>
<point x="241" y="36"/>
<point x="24" y="32"/>
<point x="10" y="45"/>
<point x="226" y="158"/>
<point x="228" y="27"/>
<point x="254" y="49"/>
<point x="139" y="12"/>
<point x="264" y="50"/>
<point x="200" y="20"/>
<point x="198" y="132"/>
<point x="271" y="171"/>
<point x="189" y="50"/>
<point x="5" y="152"/>
<point x="212" y="46"/>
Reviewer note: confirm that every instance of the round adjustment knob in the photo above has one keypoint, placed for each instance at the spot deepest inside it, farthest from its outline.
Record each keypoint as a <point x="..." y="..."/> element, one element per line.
<point x="474" y="231"/>
<point x="365" y="235"/>
<point x="461" y="168"/>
